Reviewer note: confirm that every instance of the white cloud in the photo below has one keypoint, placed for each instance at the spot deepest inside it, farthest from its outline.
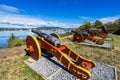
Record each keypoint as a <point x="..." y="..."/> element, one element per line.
<point x="109" y="19"/>
<point x="85" y="18"/>
<point x="19" y="19"/>
<point x="25" y="20"/>
<point x="104" y="20"/>
<point x="9" y="16"/>
<point x="76" y="25"/>
<point x="7" y="8"/>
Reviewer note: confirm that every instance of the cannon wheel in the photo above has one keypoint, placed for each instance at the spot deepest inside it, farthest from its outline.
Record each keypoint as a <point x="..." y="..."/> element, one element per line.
<point x="33" y="47"/>
<point x="78" y="37"/>
<point x="56" y="35"/>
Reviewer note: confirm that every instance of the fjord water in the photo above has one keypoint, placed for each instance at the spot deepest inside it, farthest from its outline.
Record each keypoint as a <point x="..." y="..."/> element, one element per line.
<point x="4" y="35"/>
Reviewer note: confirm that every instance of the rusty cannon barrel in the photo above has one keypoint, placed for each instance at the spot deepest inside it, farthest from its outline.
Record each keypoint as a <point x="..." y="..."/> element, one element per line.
<point x="51" y="39"/>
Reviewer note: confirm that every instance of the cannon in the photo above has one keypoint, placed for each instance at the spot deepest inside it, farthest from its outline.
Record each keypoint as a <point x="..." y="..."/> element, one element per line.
<point x="76" y="64"/>
<point x="80" y="37"/>
<point x="98" y="33"/>
<point x="51" y="39"/>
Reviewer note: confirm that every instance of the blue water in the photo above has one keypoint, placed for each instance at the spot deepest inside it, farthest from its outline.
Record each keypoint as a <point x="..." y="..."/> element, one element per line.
<point x="4" y="35"/>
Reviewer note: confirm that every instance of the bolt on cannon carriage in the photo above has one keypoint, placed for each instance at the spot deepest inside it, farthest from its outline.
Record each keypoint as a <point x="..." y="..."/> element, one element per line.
<point x="76" y="64"/>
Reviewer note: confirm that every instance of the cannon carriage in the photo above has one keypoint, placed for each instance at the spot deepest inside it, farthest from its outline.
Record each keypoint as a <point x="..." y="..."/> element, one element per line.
<point x="76" y="64"/>
<point x="97" y="33"/>
<point x="82" y="36"/>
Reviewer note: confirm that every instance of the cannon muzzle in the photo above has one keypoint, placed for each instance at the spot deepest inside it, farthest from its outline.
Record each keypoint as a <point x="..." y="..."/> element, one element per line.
<point x="38" y="32"/>
<point x="51" y="39"/>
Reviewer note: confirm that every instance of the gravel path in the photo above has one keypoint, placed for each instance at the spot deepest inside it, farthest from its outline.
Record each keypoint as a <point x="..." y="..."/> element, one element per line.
<point x="52" y="69"/>
<point x="89" y="43"/>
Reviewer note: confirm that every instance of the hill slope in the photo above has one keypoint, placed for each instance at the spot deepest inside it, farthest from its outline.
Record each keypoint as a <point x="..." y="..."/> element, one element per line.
<point x="12" y="66"/>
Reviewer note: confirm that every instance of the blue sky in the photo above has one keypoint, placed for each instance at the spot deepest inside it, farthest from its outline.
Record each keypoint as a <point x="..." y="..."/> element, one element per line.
<point x="58" y="12"/>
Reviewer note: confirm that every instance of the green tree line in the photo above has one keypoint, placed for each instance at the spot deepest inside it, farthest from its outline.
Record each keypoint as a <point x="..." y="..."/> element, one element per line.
<point x="110" y="26"/>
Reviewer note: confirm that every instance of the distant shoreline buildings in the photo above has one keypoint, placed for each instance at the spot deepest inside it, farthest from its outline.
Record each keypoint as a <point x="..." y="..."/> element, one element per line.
<point x="55" y="29"/>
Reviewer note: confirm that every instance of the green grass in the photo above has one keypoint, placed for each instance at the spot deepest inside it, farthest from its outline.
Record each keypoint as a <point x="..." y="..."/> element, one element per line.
<point x="16" y="69"/>
<point x="101" y="55"/>
<point x="26" y="71"/>
<point x="14" y="41"/>
<point x="66" y="34"/>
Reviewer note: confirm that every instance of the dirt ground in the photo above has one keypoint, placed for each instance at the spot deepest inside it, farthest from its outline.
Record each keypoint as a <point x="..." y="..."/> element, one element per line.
<point x="7" y="53"/>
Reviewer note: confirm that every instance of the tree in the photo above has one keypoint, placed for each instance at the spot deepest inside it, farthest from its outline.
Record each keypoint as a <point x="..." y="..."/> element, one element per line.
<point x="117" y="21"/>
<point x="12" y="37"/>
<point x="98" y="24"/>
<point x="15" y="41"/>
<point x="85" y="26"/>
<point x="111" y="27"/>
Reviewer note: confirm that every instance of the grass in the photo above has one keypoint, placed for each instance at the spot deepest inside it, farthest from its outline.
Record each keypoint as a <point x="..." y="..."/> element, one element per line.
<point x="15" y="69"/>
<point x="105" y="56"/>
<point x="66" y="34"/>
<point x="14" y="41"/>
